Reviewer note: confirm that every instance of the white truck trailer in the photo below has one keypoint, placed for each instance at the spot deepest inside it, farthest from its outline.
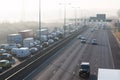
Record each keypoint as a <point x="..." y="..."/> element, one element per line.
<point x="108" y="74"/>
<point x="28" y="42"/>
<point x="21" y="52"/>
<point x="14" y="38"/>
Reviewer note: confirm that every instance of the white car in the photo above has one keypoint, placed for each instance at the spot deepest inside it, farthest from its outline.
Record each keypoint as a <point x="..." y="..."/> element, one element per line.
<point x="50" y="41"/>
<point x="83" y="40"/>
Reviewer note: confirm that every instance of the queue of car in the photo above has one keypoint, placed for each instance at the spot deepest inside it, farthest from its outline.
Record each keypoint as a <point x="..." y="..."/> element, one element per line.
<point x="24" y="45"/>
<point x="5" y="59"/>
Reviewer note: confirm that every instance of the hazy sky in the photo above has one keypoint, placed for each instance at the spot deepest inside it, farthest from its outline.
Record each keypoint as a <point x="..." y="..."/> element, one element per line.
<point x="17" y="10"/>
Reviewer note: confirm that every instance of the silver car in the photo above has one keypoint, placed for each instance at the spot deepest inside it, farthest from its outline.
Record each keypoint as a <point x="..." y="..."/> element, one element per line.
<point x="94" y="42"/>
<point x="83" y="40"/>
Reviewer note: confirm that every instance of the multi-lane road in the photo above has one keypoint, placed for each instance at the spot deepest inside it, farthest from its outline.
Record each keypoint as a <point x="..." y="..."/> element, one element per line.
<point x="65" y="64"/>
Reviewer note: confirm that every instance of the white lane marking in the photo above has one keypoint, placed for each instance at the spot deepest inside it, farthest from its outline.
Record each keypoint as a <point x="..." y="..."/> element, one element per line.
<point x="110" y="52"/>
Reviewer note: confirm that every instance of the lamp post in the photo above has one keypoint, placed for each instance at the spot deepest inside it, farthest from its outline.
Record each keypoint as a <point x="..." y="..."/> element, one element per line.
<point x="75" y="17"/>
<point x="64" y="20"/>
<point x="39" y="20"/>
<point x="75" y="14"/>
<point x="64" y="26"/>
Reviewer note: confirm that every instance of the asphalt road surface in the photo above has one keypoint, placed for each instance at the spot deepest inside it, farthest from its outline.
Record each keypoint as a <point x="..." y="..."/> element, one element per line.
<point x="66" y="65"/>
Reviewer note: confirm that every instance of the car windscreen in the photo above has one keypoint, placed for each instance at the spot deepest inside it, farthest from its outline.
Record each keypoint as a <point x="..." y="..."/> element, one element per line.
<point x="84" y="66"/>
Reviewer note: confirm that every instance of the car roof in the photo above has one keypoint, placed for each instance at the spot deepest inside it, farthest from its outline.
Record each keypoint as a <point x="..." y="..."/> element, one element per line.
<point x="85" y="63"/>
<point x="3" y="60"/>
<point x="94" y="39"/>
<point x="83" y="37"/>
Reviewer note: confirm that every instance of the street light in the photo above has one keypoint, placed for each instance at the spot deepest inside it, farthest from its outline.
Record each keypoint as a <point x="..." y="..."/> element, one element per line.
<point x="40" y="20"/>
<point x="75" y="11"/>
<point x="75" y="17"/>
<point x="64" y="26"/>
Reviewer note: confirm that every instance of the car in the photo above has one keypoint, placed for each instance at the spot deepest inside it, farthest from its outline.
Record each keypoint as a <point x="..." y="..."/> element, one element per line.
<point x="39" y="47"/>
<point x="33" y="50"/>
<point x="18" y="45"/>
<point x="56" y="38"/>
<point x="94" y="42"/>
<point x="3" y="51"/>
<point x="6" y="56"/>
<point x="5" y="63"/>
<point x="1" y="69"/>
<point x="83" y="40"/>
<point x="92" y="30"/>
<point x="45" y="44"/>
<point x="50" y="41"/>
<point x="84" y="71"/>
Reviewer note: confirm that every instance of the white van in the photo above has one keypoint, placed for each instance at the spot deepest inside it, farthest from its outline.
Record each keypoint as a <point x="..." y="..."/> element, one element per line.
<point x="21" y="52"/>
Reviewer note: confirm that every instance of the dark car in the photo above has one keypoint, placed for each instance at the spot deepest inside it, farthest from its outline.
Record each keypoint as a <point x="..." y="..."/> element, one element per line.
<point x="6" y="56"/>
<point x="5" y="63"/>
<point x="56" y="38"/>
<point x="84" y="71"/>
<point x="33" y="50"/>
<point x="45" y="44"/>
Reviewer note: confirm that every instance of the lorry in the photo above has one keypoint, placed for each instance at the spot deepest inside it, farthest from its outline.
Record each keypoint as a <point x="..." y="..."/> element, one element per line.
<point x="14" y="38"/>
<point x="108" y="74"/>
<point x="22" y="52"/>
<point x="28" y="42"/>
<point x="26" y="33"/>
<point x="43" y="31"/>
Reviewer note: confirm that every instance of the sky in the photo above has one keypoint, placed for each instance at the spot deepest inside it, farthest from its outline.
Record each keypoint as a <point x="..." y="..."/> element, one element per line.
<point x="53" y="10"/>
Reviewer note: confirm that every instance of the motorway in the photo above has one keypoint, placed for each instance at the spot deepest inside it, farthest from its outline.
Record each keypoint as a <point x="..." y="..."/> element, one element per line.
<point x="65" y="66"/>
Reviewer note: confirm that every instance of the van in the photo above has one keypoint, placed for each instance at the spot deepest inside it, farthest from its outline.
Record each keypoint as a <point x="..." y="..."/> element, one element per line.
<point x="84" y="71"/>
